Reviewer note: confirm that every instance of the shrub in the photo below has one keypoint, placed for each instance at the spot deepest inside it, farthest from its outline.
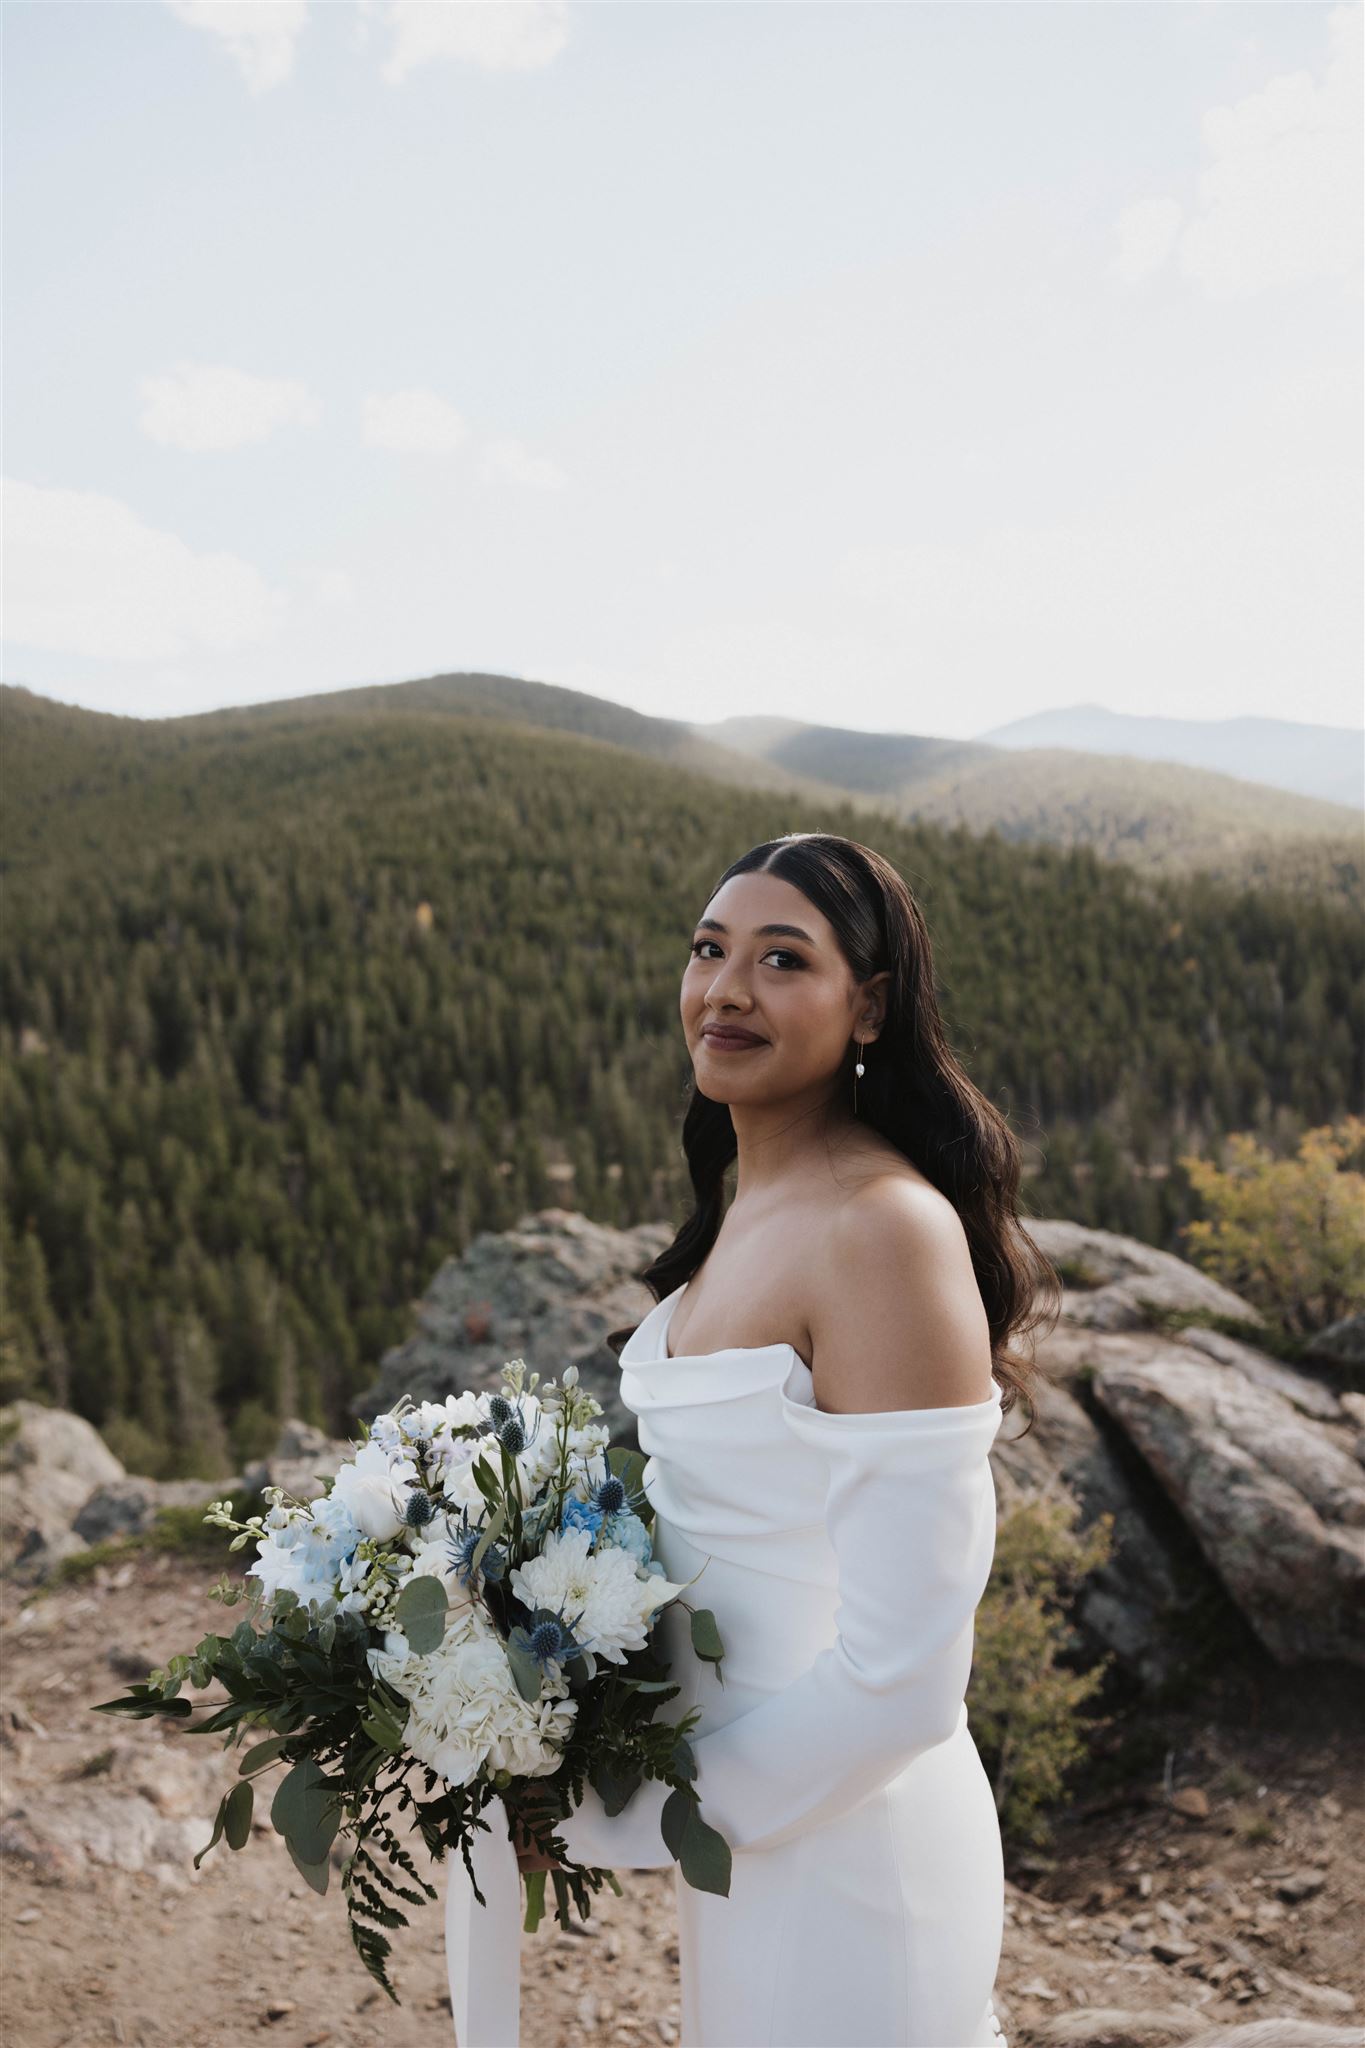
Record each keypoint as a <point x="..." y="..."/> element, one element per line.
<point x="1024" y="1702"/>
<point x="1288" y="1234"/>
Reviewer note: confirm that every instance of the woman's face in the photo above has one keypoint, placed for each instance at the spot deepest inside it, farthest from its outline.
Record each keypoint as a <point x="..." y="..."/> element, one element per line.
<point x="766" y="961"/>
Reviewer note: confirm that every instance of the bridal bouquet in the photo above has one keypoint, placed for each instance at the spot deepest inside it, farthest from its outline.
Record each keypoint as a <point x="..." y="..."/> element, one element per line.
<point x="471" y="1605"/>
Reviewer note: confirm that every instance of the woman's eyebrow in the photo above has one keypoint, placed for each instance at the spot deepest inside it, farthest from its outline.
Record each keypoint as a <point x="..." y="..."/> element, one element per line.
<point x="790" y="931"/>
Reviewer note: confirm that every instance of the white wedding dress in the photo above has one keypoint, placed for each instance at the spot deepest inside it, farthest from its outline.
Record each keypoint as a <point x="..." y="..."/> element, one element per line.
<point x="844" y="1556"/>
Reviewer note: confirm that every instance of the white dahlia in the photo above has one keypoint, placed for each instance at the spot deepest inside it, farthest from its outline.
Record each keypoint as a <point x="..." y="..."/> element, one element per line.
<point x="601" y="1595"/>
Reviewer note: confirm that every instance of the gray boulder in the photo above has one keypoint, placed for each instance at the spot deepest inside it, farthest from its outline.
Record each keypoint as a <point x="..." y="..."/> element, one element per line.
<point x="128" y="1507"/>
<point x="1273" y="1496"/>
<point x="1118" y="1283"/>
<point x="1127" y="1604"/>
<point x="1341" y="1343"/>
<point x="50" y="1463"/>
<point x="547" y="1291"/>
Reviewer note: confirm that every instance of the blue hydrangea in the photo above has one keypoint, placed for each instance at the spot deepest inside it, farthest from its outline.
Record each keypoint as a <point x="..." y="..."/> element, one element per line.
<point x="625" y="1531"/>
<point x="581" y="1514"/>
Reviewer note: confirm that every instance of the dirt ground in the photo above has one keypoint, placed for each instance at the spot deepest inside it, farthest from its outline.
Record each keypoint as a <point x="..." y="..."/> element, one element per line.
<point x="1247" y="1905"/>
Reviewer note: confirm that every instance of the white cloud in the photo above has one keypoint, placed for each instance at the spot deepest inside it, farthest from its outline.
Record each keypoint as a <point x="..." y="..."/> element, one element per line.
<point x="514" y="461"/>
<point x="493" y="35"/>
<point x="210" y="407"/>
<point x="84" y="575"/>
<point x="413" y="422"/>
<point x="1279" y="195"/>
<point x="1146" y="235"/>
<point x="259" y="36"/>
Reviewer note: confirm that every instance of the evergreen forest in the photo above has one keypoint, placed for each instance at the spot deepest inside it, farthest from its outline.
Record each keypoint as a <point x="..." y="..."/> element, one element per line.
<point x="291" y="1007"/>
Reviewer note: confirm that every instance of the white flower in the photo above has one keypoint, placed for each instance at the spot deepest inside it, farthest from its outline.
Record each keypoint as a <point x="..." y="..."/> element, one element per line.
<point x="459" y="1486"/>
<point x="437" y="1418"/>
<point x="373" y="1487"/>
<point x="465" y="1713"/>
<point x="603" y="1597"/>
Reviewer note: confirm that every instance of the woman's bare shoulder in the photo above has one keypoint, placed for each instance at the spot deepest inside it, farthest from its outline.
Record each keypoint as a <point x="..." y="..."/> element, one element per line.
<point x="895" y="1312"/>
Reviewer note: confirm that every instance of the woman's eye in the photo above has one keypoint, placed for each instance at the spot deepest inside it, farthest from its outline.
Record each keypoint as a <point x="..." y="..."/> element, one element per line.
<point x="781" y="952"/>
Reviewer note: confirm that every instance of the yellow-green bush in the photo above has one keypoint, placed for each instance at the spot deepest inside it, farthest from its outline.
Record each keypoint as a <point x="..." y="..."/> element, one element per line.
<point x="1287" y="1234"/>
<point x="1024" y="1702"/>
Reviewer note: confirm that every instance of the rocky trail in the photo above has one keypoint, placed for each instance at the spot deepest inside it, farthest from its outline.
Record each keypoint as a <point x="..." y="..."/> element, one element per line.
<point x="1230" y="1895"/>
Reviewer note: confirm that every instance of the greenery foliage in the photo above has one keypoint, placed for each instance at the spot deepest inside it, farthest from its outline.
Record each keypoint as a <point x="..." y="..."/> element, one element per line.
<point x="1025" y="1698"/>
<point x="1287" y="1234"/>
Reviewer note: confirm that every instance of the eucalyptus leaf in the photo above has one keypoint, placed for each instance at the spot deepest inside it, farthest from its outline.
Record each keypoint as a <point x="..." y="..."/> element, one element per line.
<point x="259" y="1755"/>
<point x="628" y="1466"/>
<point x="420" y="1611"/>
<point x="705" y="1635"/>
<point x="494" y="1530"/>
<point x="306" y="1811"/>
<point x="237" y="1815"/>
<point x="527" y="1675"/>
<point x="673" y="1821"/>
<point x="316" y="1874"/>
<point x="705" y="1857"/>
<point x="216" y="1836"/>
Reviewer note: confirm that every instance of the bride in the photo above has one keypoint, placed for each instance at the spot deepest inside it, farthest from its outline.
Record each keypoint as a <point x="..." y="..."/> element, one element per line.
<point x="817" y="1389"/>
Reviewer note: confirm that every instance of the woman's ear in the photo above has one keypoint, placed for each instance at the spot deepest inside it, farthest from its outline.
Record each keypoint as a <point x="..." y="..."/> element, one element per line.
<point x="873" y="1003"/>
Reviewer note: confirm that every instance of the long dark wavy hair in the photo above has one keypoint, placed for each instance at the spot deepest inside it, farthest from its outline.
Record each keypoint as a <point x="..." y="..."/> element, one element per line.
<point x="913" y="1091"/>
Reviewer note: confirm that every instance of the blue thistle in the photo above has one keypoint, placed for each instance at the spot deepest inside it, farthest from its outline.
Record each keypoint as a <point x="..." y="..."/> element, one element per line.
<point x="507" y="1423"/>
<point x="551" y="1638"/>
<point x="462" y="1546"/>
<point x="421" y="1508"/>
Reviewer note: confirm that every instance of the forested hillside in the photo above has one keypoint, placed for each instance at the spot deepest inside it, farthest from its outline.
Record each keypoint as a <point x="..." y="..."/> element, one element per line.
<point x="289" y="1008"/>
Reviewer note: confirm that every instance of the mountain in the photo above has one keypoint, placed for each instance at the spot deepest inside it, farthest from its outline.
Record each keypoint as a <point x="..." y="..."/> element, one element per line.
<point x="1155" y="815"/>
<point x="1325" y="761"/>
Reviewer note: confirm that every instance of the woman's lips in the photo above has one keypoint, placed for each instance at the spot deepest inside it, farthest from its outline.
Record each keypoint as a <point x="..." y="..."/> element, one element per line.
<point x="732" y="1041"/>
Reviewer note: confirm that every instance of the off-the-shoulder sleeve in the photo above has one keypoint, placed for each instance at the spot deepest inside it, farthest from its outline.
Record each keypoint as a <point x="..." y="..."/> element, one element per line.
<point x="910" y="1511"/>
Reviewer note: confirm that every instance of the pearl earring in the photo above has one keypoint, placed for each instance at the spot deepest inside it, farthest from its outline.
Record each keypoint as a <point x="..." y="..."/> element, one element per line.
<point x="856" y="1072"/>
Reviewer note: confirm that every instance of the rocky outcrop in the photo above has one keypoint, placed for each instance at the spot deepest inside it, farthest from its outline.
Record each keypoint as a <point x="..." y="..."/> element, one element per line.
<point x="1340" y="1344"/>
<point x="548" y="1291"/>
<point x="129" y="1506"/>
<point x="1229" y="1474"/>
<point x="1127" y="1604"/>
<point x="1116" y="1283"/>
<point x="1273" y="1496"/>
<point x="50" y="1464"/>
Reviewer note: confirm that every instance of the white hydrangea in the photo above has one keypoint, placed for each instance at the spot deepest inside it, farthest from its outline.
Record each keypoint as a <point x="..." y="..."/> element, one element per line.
<point x="602" y="1595"/>
<point x="465" y="1713"/>
<point x="304" y="1549"/>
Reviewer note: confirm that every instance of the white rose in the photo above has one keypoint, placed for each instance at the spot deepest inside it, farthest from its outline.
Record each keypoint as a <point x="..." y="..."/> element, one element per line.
<point x="373" y="1489"/>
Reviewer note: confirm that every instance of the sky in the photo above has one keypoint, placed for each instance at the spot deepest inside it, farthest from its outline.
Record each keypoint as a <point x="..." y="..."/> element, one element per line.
<point x="908" y="365"/>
